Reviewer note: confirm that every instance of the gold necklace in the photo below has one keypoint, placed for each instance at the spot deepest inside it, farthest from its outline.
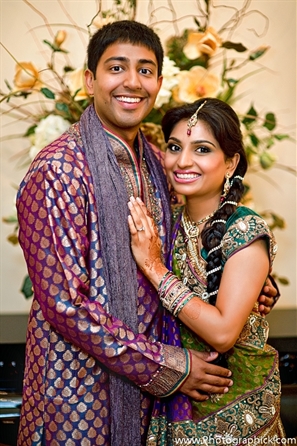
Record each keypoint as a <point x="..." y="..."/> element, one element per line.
<point x="192" y="232"/>
<point x="191" y="227"/>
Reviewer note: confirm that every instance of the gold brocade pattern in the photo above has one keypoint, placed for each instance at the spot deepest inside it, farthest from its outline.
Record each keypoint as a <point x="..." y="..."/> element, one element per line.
<point x="255" y="332"/>
<point x="166" y="380"/>
<point x="72" y="340"/>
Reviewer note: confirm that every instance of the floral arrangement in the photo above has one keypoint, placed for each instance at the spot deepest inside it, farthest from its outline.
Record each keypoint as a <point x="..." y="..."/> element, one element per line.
<point x="199" y="62"/>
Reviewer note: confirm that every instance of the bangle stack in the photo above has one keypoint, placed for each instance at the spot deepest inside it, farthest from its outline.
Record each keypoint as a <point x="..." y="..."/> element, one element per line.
<point x="173" y="294"/>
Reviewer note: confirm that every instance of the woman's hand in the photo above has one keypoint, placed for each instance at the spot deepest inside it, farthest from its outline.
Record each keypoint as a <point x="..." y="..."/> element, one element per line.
<point x="145" y="242"/>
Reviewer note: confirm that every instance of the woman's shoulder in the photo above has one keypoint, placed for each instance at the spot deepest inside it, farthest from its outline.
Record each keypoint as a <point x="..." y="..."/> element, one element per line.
<point x="242" y="228"/>
<point x="245" y="221"/>
<point x="242" y="212"/>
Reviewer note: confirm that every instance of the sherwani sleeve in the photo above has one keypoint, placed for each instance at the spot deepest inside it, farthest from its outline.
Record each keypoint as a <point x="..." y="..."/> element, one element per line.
<point x="57" y="223"/>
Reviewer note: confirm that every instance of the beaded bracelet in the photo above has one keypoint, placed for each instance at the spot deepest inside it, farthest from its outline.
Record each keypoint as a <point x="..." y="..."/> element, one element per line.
<point x="171" y="297"/>
<point x="173" y="294"/>
<point x="164" y="278"/>
<point x="182" y="302"/>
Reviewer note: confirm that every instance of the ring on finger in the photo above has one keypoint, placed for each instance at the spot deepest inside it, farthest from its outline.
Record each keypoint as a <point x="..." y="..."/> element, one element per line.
<point x="141" y="229"/>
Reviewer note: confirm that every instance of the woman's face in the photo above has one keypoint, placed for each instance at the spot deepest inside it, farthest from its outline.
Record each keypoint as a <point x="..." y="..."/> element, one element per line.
<point x="195" y="164"/>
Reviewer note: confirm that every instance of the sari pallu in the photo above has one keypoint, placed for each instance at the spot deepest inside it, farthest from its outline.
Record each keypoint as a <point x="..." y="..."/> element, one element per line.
<point x="251" y="408"/>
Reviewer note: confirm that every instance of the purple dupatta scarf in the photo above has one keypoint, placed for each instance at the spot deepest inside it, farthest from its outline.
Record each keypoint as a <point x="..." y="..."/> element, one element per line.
<point x="120" y="271"/>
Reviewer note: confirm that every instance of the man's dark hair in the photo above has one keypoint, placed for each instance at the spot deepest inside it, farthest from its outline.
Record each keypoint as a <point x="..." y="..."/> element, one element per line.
<point x="124" y="31"/>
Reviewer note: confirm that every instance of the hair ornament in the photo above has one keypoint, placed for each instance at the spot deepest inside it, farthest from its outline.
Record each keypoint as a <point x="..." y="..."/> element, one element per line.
<point x="194" y="118"/>
<point x="229" y="202"/>
<point x="214" y="270"/>
<point x="215" y="248"/>
<point x="206" y="295"/>
<point x="218" y="221"/>
<point x="237" y="177"/>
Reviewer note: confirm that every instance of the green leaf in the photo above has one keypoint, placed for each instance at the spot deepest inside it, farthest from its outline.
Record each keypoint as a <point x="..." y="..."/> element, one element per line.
<point x="68" y="68"/>
<point x="76" y="92"/>
<point x="266" y="160"/>
<point x="13" y="239"/>
<point x="270" y="121"/>
<point x="273" y="220"/>
<point x="62" y="107"/>
<point x="251" y="150"/>
<point x="234" y="46"/>
<point x="27" y="287"/>
<point x="278" y="221"/>
<point x="8" y="85"/>
<point x="55" y="48"/>
<point x="49" y="44"/>
<point x="270" y="142"/>
<point x="258" y="53"/>
<point x="281" y="137"/>
<point x="254" y="139"/>
<point x="283" y="280"/>
<point x="197" y="23"/>
<point x="48" y="93"/>
<point x="10" y="219"/>
<point x="31" y="130"/>
<point x="250" y="117"/>
<point x="61" y="50"/>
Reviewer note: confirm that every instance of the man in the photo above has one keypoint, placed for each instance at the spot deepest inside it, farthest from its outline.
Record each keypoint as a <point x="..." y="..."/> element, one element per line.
<point x="93" y="359"/>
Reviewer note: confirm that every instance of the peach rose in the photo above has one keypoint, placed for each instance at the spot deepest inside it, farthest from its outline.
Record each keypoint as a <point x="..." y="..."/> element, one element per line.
<point x="99" y="21"/>
<point x="202" y="43"/>
<point x="26" y="76"/>
<point x="59" y="38"/>
<point x="195" y="84"/>
<point x="75" y="80"/>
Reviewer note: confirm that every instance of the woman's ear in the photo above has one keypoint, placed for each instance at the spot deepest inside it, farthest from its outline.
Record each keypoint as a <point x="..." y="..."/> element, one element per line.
<point x="232" y="163"/>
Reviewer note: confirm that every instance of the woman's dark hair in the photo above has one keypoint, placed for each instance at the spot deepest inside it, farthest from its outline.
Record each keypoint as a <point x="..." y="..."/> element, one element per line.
<point x="124" y="31"/>
<point x="224" y="124"/>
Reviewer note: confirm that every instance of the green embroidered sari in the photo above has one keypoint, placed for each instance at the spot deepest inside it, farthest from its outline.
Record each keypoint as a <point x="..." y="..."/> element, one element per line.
<point x="251" y="408"/>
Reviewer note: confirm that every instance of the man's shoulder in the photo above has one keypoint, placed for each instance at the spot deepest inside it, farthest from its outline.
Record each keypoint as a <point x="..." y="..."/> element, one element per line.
<point x="68" y="146"/>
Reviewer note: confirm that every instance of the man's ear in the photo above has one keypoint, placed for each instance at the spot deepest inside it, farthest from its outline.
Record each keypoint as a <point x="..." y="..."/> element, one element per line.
<point x="89" y="81"/>
<point x="160" y="82"/>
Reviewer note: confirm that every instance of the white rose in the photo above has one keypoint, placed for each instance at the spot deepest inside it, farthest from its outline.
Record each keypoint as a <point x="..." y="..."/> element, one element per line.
<point x="49" y="129"/>
<point x="170" y="71"/>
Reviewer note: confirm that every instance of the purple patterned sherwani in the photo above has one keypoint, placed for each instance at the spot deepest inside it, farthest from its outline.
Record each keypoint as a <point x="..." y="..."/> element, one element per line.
<point x="73" y="342"/>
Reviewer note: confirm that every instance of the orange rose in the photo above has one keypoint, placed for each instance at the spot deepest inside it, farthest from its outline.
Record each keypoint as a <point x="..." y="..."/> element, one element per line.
<point x="195" y="84"/>
<point x="75" y="81"/>
<point x="26" y="77"/>
<point x="202" y="43"/>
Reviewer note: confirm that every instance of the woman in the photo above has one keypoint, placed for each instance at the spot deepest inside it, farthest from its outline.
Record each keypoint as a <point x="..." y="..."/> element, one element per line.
<point x="221" y="255"/>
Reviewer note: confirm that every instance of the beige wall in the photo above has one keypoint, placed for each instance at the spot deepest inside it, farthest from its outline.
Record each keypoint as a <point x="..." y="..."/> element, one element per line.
<point x="274" y="89"/>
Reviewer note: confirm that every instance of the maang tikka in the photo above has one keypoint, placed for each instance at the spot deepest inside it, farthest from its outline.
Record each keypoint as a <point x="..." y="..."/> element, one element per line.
<point x="194" y="118"/>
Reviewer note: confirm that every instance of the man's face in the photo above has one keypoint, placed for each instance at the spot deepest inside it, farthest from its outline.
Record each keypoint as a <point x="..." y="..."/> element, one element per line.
<point x="125" y="88"/>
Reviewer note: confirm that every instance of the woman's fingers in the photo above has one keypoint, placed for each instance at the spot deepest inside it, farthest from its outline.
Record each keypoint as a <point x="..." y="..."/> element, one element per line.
<point x="139" y="215"/>
<point x="133" y="230"/>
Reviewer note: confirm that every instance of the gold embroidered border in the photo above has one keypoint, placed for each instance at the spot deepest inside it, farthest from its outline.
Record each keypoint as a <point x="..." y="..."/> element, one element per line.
<point x="170" y="376"/>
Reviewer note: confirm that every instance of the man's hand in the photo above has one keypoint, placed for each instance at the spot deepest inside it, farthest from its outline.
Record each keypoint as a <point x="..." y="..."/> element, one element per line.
<point x="268" y="296"/>
<point x="205" y="378"/>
